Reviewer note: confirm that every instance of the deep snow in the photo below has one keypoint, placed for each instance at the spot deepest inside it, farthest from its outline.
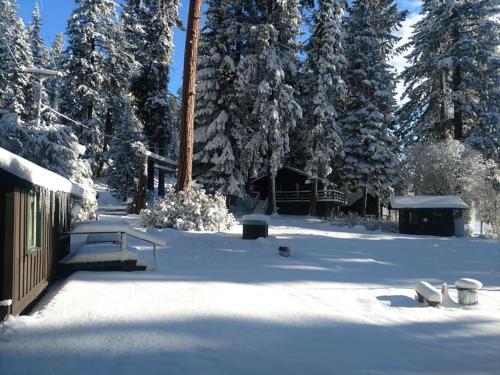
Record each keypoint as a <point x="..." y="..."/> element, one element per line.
<point x="343" y="303"/>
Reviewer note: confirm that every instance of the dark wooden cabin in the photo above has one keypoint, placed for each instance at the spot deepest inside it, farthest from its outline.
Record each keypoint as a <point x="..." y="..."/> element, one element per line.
<point x="355" y="204"/>
<point x="35" y="213"/>
<point x="430" y="215"/>
<point x="293" y="193"/>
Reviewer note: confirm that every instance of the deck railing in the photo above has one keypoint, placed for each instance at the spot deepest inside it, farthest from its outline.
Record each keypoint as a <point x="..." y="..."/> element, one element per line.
<point x="305" y="196"/>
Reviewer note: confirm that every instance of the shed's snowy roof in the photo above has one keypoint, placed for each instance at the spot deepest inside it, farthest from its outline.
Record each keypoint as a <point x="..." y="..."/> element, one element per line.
<point x="428" y="201"/>
<point x="28" y="171"/>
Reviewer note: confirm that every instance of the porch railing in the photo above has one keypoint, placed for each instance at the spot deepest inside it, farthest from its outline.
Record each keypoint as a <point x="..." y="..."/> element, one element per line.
<point x="305" y="196"/>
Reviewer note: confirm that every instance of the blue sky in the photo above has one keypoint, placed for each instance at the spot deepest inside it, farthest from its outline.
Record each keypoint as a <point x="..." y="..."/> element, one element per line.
<point x="56" y="12"/>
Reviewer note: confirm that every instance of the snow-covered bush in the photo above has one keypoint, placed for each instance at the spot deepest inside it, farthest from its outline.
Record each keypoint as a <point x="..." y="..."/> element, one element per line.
<point x="454" y="168"/>
<point x="352" y="220"/>
<point x="191" y="209"/>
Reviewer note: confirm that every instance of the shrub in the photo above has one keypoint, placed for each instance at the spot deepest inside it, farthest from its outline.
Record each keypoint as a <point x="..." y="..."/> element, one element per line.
<point x="190" y="210"/>
<point x="351" y="220"/>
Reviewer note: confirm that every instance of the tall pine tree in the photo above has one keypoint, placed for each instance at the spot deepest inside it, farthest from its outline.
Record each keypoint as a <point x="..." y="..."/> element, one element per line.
<point x="15" y="53"/>
<point x="90" y="37"/>
<point x="370" y="163"/>
<point x="453" y="77"/>
<point x="218" y="140"/>
<point x="324" y="92"/>
<point x="267" y="101"/>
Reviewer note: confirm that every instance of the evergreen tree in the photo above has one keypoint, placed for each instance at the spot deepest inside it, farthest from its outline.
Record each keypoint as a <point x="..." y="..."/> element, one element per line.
<point x="324" y="91"/>
<point x="152" y="45"/>
<point x="38" y="48"/>
<point x="15" y="52"/>
<point x="370" y="163"/>
<point x="40" y="55"/>
<point x="57" y="58"/>
<point x="217" y="140"/>
<point x="90" y="37"/>
<point x="125" y="160"/>
<point x="453" y="77"/>
<point x="266" y="98"/>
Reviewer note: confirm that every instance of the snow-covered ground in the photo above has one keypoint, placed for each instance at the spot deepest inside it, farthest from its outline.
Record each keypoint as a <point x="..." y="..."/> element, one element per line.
<point x="343" y="303"/>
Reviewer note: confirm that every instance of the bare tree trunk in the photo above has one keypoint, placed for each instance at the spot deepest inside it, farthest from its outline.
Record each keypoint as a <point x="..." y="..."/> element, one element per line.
<point x="151" y="167"/>
<point x="457" y="81"/>
<point x="365" y="201"/>
<point x="313" y="203"/>
<point x="108" y="132"/>
<point x="271" y="195"/>
<point x="141" y="193"/>
<point x="161" y="172"/>
<point x="185" y="170"/>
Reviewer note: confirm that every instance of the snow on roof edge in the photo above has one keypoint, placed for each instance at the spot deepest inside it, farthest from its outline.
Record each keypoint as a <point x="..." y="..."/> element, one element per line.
<point x="29" y="171"/>
<point x="428" y="201"/>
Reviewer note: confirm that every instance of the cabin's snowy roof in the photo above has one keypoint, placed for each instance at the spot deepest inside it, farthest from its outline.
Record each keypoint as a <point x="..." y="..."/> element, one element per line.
<point x="30" y="172"/>
<point x="428" y="201"/>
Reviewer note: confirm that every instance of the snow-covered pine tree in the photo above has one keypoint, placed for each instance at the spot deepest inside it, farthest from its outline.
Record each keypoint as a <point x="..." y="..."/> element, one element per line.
<point x="217" y="139"/>
<point x="324" y="92"/>
<point x="370" y="163"/>
<point x="267" y="102"/>
<point x="425" y="113"/>
<point x="40" y="55"/>
<point x="15" y="52"/>
<point x="453" y="77"/>
<point x="150" y="84"/>
<point x="90" y="37"/>
<point x="38" y="48"/>
<point x="125" y="160"/>
<point x="56" y="62"/>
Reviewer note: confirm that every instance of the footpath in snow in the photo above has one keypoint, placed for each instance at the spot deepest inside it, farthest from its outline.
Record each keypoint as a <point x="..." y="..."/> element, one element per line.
<point x="343" y="303"/>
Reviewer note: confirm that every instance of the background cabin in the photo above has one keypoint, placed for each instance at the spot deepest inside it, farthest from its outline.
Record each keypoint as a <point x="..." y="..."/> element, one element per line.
<point x="293" y="193"/>
<point x="355" y="202"/>
<point x="430" y="215"/>
<point x="35" y="213"/>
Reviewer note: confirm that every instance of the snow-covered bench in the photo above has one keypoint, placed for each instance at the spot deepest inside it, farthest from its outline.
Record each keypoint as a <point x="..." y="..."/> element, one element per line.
<point x="427" y="293"/>
<point x="124" y="230"/>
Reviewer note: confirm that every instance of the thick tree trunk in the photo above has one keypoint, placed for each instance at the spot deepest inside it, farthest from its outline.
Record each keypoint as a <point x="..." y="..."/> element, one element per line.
<point x="313" y="203"/>
<point x="185" y="170"/>
<point x="379" y="208"/>
<point x="457" y="112"/>
<point x="141" y="194"/>
<point x="161" y="172"/>
<point x="151" y="169"/>
<point x="457" y="81"/>
<point x="238" y="16"/>
<point x="271" y="196"/>
<point x="365" y="201"/>
<point x="108" y="131"/>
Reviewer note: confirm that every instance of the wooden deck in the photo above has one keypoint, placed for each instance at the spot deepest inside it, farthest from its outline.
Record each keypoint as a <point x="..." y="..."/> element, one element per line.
<point x="66" y="269"/>
<point x="305" y="196"/>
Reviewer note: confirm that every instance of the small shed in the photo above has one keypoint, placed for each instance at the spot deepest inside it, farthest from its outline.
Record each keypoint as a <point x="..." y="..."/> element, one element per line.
<point x="35" y="213"/>
<point x="440" y="215"/>
<point x="293" y="192"/>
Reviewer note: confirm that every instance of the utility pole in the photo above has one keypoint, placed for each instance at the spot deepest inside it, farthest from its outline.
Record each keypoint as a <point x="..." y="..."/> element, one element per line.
<point x="42" y="75"/>
<point x="184" y="175"/>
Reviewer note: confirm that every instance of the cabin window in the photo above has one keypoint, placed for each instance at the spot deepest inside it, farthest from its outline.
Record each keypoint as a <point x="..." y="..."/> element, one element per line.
<point x="34" y="223"/>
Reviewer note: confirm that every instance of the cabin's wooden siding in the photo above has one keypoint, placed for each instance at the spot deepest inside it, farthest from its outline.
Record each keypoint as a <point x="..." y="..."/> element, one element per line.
<point x="25" y="275"/>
